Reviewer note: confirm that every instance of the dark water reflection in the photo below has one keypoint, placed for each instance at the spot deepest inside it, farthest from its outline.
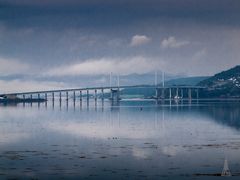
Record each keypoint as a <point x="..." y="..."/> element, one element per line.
<point x="135" y="140"/>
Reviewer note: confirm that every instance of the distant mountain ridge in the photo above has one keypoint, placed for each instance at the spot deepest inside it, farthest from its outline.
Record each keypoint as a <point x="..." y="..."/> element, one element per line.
<point x="187" y="81"/>
<point x="146" y="92"/>
<point x="223" y="84"/>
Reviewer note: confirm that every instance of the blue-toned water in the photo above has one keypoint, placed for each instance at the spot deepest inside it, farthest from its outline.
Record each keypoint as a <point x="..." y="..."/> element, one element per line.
<point x="130" y="140"/>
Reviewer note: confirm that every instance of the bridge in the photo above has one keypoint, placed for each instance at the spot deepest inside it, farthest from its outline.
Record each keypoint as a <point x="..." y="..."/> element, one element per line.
<point x="161" y="92"/>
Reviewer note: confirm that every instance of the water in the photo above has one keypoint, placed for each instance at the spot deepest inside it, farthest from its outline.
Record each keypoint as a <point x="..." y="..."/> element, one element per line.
<point x="133" y="140"/>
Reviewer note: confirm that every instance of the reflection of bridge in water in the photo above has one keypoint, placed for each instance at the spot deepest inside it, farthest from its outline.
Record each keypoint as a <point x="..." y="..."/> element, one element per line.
<point x="111" y="92"/>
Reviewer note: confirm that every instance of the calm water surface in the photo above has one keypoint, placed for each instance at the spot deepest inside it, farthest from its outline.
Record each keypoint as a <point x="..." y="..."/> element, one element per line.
<point x="133" y="140"/>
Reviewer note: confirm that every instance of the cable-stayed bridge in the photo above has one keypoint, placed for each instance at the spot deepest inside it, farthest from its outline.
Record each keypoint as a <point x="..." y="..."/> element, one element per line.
<point x="114" y="92"/>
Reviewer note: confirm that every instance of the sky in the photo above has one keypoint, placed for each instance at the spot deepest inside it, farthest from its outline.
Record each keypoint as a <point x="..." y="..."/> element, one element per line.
<point x="46" y="44"/>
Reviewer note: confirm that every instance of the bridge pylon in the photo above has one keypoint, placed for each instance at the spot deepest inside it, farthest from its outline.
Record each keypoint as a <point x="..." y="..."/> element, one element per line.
<point x="159" y="91"/>
<point x="115" y="94"/>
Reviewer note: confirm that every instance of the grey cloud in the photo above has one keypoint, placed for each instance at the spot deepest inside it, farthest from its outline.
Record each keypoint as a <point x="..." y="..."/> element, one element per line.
<point x="171" y="42"/>
<point x="138" y="40"/>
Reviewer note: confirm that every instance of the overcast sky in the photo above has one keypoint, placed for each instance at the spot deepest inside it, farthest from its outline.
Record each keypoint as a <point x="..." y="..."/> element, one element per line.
<point x="54" y="39"/>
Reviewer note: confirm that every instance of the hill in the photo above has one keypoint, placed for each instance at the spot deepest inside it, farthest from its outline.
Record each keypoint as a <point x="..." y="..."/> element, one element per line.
<point x="188" y="81"/>
<point x="223" y="84"/>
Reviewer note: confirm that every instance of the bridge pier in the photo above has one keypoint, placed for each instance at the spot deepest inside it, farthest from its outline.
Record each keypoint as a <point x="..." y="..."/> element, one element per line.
<point x="60" y="99"/>
<point x="74" y="99"/>
<point x="163" y="93"/>
<point x="181" y="93"/>
<point x="66" y="95"/>
<point x="53" y="102"/>
<point x="102" y="94"/>
<point x="189" y="93"/>
<point x="53" y="96"/>
<point x="38" y="100"/>
<point x="177" y="93"/>
<point x="170" y="94"/>
<point x="67" y="104"/>
<point x="74" y="96"/>
<point x="156" y="93"/>
<point x="46" y="100"/>
<point x="67" y="99"/>
<point x="23" y="99"/>
<point x="60" y="96"/>
<point x="115" y="95"/>
<point x="87" y="95"/>
<point x="95" y="94"/>
<point x="87" y="98"/>
<point x="31" y="99"/>
<point x="80" y="92"/>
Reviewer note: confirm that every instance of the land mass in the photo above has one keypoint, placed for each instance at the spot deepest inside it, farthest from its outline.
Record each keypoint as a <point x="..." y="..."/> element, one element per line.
<point x="225" y="84"/>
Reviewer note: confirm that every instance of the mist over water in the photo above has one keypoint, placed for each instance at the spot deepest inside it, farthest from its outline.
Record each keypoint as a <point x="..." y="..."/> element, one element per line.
<point x="130" y="140"/>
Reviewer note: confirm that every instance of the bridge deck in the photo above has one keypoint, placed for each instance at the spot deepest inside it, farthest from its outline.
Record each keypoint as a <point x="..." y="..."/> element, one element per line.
<point x="104" y="88"/>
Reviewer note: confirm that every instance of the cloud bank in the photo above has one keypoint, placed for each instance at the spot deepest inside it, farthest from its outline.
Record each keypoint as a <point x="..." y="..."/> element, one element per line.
<point x="12" y="66"/>
<point x="30" y="85"/>
<point x="137" y="64"/>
